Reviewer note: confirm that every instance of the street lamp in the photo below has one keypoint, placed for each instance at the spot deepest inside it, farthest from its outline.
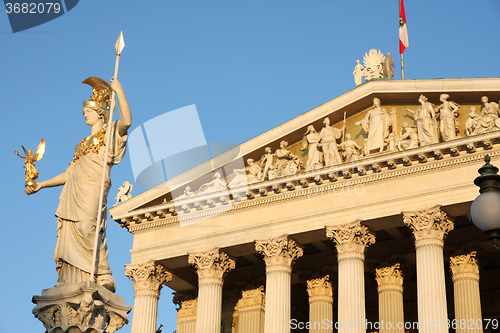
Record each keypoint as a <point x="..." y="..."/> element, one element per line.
<point x="485" y="210"/>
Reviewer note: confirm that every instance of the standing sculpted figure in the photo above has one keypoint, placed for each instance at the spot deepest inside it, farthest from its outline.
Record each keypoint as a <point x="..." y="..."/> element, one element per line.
<point x="448" y="112"/>
<point x="359" y="72"/>
<point x="426" y="122"/>
<point x="267" y="160"/>
<point x="408" y="138"/>
<point x="376" y="123"/>
<point x="30" y="171"/>
<point x="489" y="119"/>
<point x="328" y="139"/>
<point x="78" y="202"/>
<point x="314" y="157"/>
<point x="351" y="149"/>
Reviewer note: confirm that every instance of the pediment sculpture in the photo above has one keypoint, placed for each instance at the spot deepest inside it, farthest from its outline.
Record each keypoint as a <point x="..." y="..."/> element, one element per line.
<point x="429" y="124"/>
<point x="375" y="66"/>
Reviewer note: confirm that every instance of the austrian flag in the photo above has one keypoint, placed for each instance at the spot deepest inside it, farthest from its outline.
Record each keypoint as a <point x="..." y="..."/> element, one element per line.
<point x="403" y="33"/>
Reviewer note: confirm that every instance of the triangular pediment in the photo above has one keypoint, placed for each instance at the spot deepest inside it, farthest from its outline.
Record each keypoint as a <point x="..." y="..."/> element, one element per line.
<point x="396" y="96"/>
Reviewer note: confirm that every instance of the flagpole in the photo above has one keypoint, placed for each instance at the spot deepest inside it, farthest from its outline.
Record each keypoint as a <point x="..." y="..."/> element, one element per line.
<point x="402" y="68"/>
<point x="403" y="36"/>
<point x="402" y="60"/>
<point x="119" y="47"/>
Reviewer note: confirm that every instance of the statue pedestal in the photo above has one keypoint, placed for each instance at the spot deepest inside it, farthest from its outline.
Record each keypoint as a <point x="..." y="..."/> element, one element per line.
<point x="84" y="307"/>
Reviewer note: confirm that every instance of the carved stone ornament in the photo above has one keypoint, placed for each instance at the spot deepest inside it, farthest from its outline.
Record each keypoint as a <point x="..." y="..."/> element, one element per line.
<point x="350" y="238"/>
<point x="124" y="192"/>
<point x="319" y="287"/>
<point x="213" y="264"/>
<point x="464" y="264"/>
<point x="187" y="302"/>
<point x="389" y="276"/>
<point x="279" y="251"/>
<point x="428" y="225"/>
<point x="148" y="277"/>
<point x="80" y="307"/>
<point x="252" y="297"/>
<point x="376" y="66"/>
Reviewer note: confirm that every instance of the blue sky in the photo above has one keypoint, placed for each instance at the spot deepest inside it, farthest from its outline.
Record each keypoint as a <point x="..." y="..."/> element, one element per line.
<point x="248" y="66"/>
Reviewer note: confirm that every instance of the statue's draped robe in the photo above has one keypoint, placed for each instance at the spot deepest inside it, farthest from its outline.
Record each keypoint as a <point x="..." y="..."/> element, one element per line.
<point x="447" y="125"/>
<point x="328" y="137"/>
<point x="489" y="119"/>
<point x="376" y="123"/>
<point x="78" y="209"/>
<point x="314" y="155"/>
<point x="284" y="158"/>
<point x="426" y="125"/>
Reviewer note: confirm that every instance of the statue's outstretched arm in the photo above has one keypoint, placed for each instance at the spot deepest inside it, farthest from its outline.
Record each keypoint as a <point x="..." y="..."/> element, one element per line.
<point x="123" y="124"/>
<point x="56" y="181"/>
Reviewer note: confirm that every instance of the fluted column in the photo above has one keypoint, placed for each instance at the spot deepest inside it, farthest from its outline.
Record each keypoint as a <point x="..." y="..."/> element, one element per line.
<point x="279" y="254"/>
<point x="211" y="267"/>
<point x="465" y="275"/>
<point x="320" y="291"/>
<point x="429" y="228"/>
<point x="390" y="297"/>
<point x="186" y="313"/>
<point x="148" y="279"/>
<point x="351" y="241"/>
<point x="251" y="310"/>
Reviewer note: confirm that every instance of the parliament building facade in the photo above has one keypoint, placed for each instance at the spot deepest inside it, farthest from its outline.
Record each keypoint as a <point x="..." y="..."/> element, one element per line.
<point x="358" y="223"/>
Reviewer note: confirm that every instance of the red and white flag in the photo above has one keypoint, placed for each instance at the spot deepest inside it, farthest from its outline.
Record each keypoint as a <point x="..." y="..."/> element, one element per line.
<point x="403" y="33"/>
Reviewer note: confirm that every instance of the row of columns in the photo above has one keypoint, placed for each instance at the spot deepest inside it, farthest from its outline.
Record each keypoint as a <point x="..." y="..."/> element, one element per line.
<point x="269" y="312"/>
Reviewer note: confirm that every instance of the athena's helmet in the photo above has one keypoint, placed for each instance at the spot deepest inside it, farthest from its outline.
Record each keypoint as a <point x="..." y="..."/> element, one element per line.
<point x="101" y="95"/>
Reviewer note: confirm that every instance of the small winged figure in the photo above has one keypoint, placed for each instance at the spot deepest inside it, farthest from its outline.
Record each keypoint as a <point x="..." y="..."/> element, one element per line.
<point x="29" y="164"/>
<point x="124" y="192"/>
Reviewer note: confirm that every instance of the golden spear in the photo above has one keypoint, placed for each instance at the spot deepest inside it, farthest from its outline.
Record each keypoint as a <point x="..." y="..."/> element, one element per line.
<point x="120" y="44"/>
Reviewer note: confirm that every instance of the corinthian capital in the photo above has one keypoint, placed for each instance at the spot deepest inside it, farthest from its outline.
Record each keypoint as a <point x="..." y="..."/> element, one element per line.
<point x="213" y="264"/>
<point x="351" y="237"/>
<point x="389" y="276"/>
<point x="319" y="287"/>
<point x="428" y="225"/>
<point x="252" y="297"/>
<point x="187" y="302"/>
<point x="279" y="251"/>
<point x="464" y="264"/>
<point x="148" y="276"/>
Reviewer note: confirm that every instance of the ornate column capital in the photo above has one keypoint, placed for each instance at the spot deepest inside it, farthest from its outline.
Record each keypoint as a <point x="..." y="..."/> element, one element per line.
<point x="148" y="277"/>
<point x="252" y="298"/>
<point x="211" y="265"/>
<point x="187" y="302"/>
<point x="351" y="239"/>
<point x="429" y="226"/>
<point x="319" y="287"/>
<point x="464" y="264"/>
<point x="279" y="252"/>
<point x="389" y="276"/>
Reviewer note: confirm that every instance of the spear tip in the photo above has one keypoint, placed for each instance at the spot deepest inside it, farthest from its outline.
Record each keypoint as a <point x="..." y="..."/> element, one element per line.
<point x="120" y="44"/>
